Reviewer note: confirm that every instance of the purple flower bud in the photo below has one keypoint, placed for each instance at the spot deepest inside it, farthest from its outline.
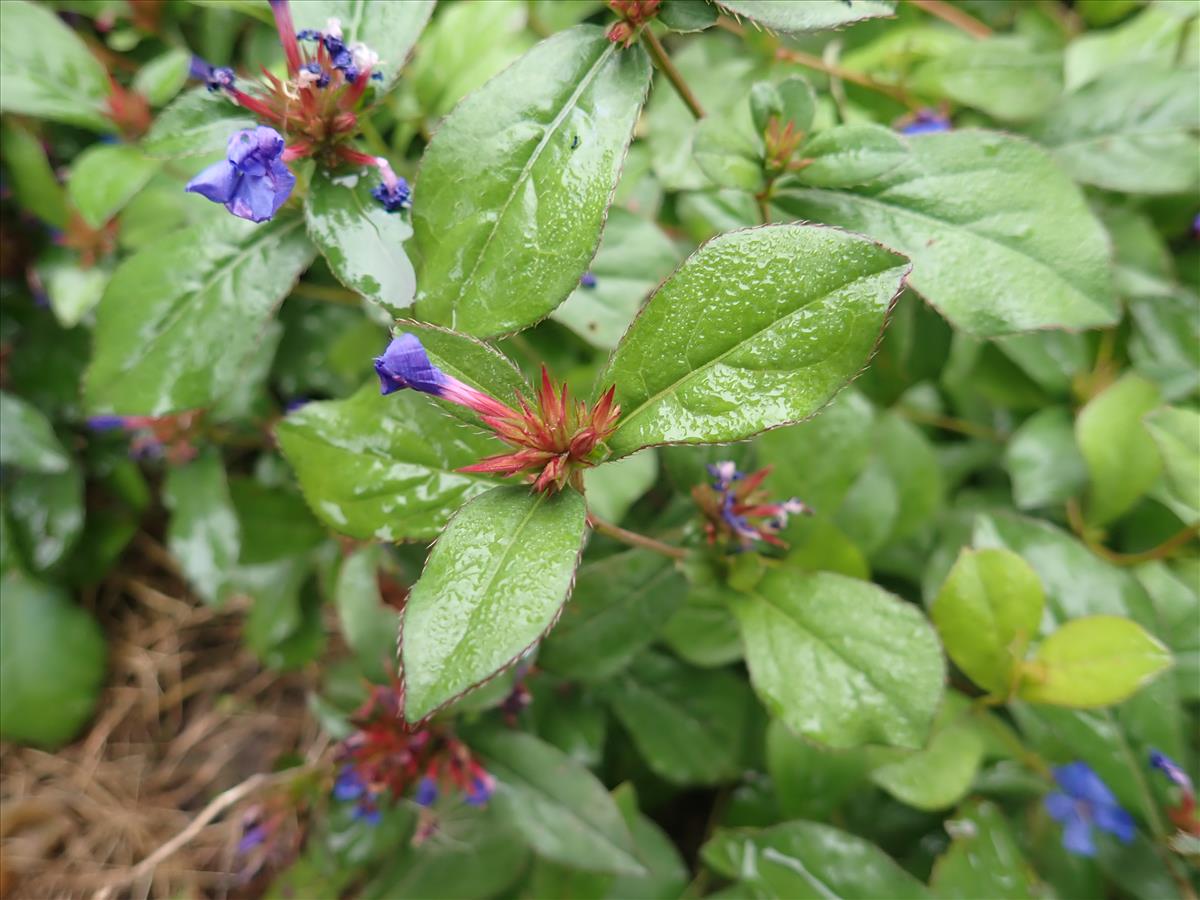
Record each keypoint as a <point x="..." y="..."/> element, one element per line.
<point x="252" y="182"/>
<point x="481" y="789"/>
<point x="926" y="121"/>
<point x="394" y="197"/>
<point x="405" y="364"/>
<point x="368" y="813"/>
<point x="349" y="785"/>
<point x="105" y="423"/>
<point x="311" y="72"/>
<point x="427" y="792"/>
<point x="724" y="474"/>
<point x="215" y="77"/>
<point x="308" y="34"/>
<point x="587" y="280"/>
<point x="1171" y="769"/>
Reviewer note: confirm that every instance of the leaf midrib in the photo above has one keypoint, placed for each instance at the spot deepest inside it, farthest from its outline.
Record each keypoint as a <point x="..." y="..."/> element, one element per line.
<point x="526" y="171"/>
<point x="676" y="385"/>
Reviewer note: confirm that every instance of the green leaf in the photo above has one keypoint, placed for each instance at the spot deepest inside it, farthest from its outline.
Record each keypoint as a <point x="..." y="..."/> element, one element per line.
<point x="1152" y="38"/>
<point x="820" y="459"/>
<point x="1043" y="460"/>
<point x="361" y="241"/>
<point x="1093" y="661"/>
<point x="687" y="15"/>
<point x="556" y="804"/>
<point x="634" y="257"/>
<point x="203" y="533"/>
<point x="1175" y="597"/>
<point x="688" y="724"/>
<point x="180" y="316"/>
<point x="160" y="79"/>
<point x="383" y="467"/>
<point x="987" y="612"/>
<point x="32" y="178"/>
<point x="847" y="155"/>
<point x="792" y="100"/>
<point x="1176" y="432"/>
<point x="1122" y="459"/>
<point x="940" y="773"/>
<point x="909" y="459"/>
<point x="841" y="661"/>
<point x="812" y="15"/>
<point x="48" y="72"/>
<point x="983" y="859"/>
<point x="803" y="860"/>
<point x="52" y="660"/>
<point x="1131" y="130"/>
<point x="666" y="876"/>
<point x="1004" y="76"/>
<point x="538" y="151"/>
<point x="729" y="155"/>
<point x="751" y="333"/>
<point x="46" y="510"/>
<point x="73" y="290"/>
<point x="494" y="584"/>
<point x="105" y="177"/>
<point x="198" y="123"/>
<point x="973" y="206"/>
<point x="27" y="439"/>
<point x="390" y="29"/>
<point x="370" y="627"/>
<point x="703" y="630"/>
<point x="812" y="781"/>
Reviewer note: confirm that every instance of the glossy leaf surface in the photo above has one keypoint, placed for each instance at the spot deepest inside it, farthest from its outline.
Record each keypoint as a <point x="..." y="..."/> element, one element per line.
<point x="203" y="533"/>
<point x="383" y="467"/>
<point x="841" y="661"/>
<point x="1022" y="228"/>
<point x="361" y="241"/>
<point x="846" y="155"/>
<point x="105" y="177"/>
<point x="180" y="316"/>
<point x="757" y="329"/>
<point x="983" y="858"/>
<point x="198" y="122"/>
<point x="515" y="184"/>
<point x="1043" y="459"/>
<point x="812" y="15"/>
<point x="494" y="584"/>
<point x="27" y="439"/>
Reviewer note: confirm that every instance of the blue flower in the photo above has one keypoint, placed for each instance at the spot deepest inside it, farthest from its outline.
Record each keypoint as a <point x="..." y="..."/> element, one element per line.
<point x="926" y="121"/>
<point x="308" y="34"/>
<point x="252" y="182"/>
<point x="254" y="837"/>
<point x="394" y="196"/>
<point x="105" y="423"/>
<point x="481" y="789"/>
<point x="427" y="792"/>
<point x="587" y="280"/>
<point x="367" y="813"/>
<point x="349" y="785"/>
<point x="1083" y="802"/>
<point x="405" y="364"/>
<point x="315" y="74"/>
<point x="1171" y="769"/>
<point x="215" y="77"/>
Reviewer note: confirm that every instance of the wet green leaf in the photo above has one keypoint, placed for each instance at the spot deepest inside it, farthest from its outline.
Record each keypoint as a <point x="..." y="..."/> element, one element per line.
<point x="557" y="805"/>
<point x="1004" y="76"/>
<point x="987" y="612"/>
<point x="361" y="241"/>
<point x="495" y="583"/>
<point x="72" y="289"/>
<point x="27" y="439"/>
<point x="1176" y="432"/>
<point x="812" y="15"/>
<point x="383" y="467"/>
<point x="180" y="316"/>
<point x="46" y="511"/>
<point x="1021" y="228"/>
<point x="1093" y="661"/>
<point x="812" y="781"/>
<point x="841" y="661"/>
<point x="199" y="122"/>
<point x="46" y="71"/>
<point x="846" y="155"/>
<point x="105" y="177"/>
<point x="203" y="533"/>
<point x="757" y="329"/>
<point x="539" y="150"/>
<point x="983" y="858"/>
<point x="1043" y="459"/>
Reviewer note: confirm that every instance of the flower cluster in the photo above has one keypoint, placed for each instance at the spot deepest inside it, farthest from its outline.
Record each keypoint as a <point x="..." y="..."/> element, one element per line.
<point x="553" y="444"/>
<point x="312" y="113"/>
<point x="634" y="15"/>
<point x="384" y="758"/>
<point x="165" y="437"/>
<point x="739" y="511"/>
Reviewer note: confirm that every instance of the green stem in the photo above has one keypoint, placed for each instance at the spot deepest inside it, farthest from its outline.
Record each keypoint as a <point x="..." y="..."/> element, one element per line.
<point x="659" y="54"/>
<point x="633" y="539"/>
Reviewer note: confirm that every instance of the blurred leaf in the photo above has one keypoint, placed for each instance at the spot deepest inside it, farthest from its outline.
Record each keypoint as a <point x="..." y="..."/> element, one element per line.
<point x="46" y="71"/>
<point x="1122" y="460"/>
<point x="688" y="724"/>
<point x="1131" y="130"/>
<point x="1004" y="76"/>
<point x="687" y="15"/>
<point x="1153" y="37"/>
<point x="73" y="291"/>
<point x="46" y="511"/>
<point x="160" y="79"/>
<point x="494" y="584"/>
<point x="987" y="612"/>
<point x="1044" y="461"/>
<point x="1021" y="227"/>
<point x="199" y="122"/>
<point x="614" y="487"/>
<point x="361" y="241"/>
<point x="203" y="533"/>
<point x="52" y="661"/>
<point x="180" y="316"/>
<point x="800" y="860"/>
<point x="747" y="335"/>
<point x="370" y="627"/>
<point x="729" y="155"/>
<point x="983" y="858"/>
<point x="1176" y="431"/>
<point x="703" y="630"/>
<point x="812" y="781"/>
<point x="558" y="806"/>
<point x="483" y="269"/>
<point x="105" y="177"/>
<point x="812" y="15"/>
<point x="1175" y="600"/>
<point x="841" y="661"/>
<point x="27" y="439"/>
<point x="31" y="176"/>
<point x="383" y="467"/>
<point x="1093" y="661"/>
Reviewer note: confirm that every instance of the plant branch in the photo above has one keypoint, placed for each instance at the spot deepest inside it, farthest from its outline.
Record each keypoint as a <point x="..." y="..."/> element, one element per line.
<point x="659" y="54"/>
<point x="1162" y="551"/>
<point x="952" y="15"/>
<point x="633" y="539"/>
<point x="809" y="61"/>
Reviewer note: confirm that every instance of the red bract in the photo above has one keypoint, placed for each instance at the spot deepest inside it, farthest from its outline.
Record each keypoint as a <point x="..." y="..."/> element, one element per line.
<point x="739" y="511"/>
<point x="556" y="441"/>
